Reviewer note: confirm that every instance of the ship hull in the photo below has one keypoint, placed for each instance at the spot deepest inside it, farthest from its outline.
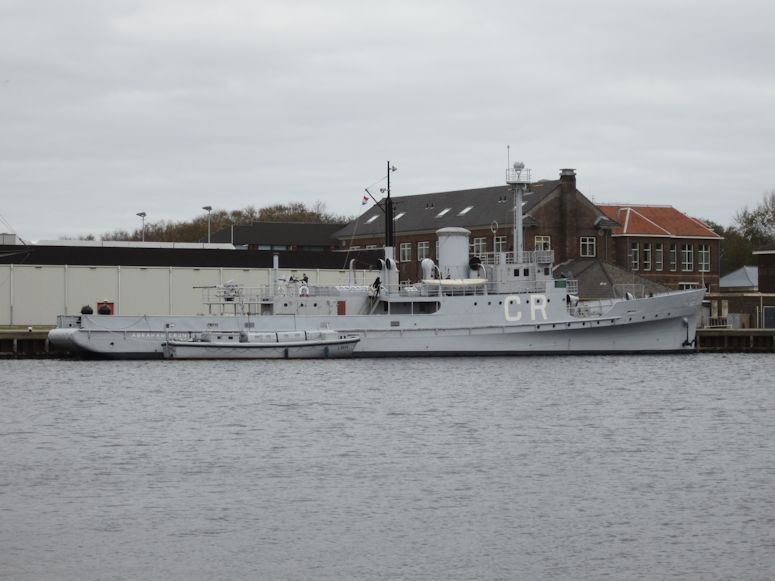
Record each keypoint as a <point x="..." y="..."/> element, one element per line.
<point x="662" y="324"/>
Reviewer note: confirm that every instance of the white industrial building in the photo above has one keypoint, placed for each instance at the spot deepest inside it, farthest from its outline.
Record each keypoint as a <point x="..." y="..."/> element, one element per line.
<point x="37" y="283"/>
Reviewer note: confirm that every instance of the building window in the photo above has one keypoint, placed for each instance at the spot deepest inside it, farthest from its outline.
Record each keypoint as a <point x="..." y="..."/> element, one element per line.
<point x="543" y="242"/>
<point x="703" y="258"/>
<point x="437" y="250"/>
<point x="588" y="249"/>
<point x="423" y="250"/>
<point x="479" y="246"/>
<point x="634" y="255"/>
<point x="673" y="257"/>
<point x="405" y="252"/>
<point x="647" y="256"/>
<point x="501" y="244"/>
<point x="658" y="257"/>
<point x="687" y="257"/>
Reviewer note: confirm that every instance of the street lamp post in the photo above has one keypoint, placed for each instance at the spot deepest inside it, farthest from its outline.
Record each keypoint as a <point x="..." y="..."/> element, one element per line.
<point x="142" y="216"/>
<point x="209" y="209"/>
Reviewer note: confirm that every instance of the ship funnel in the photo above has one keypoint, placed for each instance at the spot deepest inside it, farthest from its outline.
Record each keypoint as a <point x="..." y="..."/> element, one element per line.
<point x="453" y="252"/>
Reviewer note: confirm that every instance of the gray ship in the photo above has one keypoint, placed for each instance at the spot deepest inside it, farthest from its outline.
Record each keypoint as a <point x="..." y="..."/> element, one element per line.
<point x="505" y="303"/>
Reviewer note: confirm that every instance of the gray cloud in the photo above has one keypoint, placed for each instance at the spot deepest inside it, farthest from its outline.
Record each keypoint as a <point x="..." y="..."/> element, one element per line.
<point x="108" y="108"/>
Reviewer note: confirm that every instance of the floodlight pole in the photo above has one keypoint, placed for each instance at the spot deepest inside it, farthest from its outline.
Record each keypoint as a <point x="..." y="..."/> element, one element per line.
<point x="142" y="216"/>
<point x="209" y="209"/>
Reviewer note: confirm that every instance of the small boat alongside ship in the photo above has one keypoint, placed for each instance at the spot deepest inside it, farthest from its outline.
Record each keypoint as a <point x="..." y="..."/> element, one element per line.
<point x="501" y="303"/>
<point x="266" y="345"/>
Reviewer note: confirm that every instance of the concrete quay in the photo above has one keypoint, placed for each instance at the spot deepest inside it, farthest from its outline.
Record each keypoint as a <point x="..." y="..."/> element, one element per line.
<point x="735" y="340"/>
<point x="25" y="342"/>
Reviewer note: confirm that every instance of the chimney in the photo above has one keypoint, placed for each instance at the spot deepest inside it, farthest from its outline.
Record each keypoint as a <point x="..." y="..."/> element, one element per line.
<point x="568" y="180"/>
<point x="568" y="247"/>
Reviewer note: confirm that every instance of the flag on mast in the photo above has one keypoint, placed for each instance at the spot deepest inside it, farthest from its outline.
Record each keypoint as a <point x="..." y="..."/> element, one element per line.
<point x="364" y="200"/>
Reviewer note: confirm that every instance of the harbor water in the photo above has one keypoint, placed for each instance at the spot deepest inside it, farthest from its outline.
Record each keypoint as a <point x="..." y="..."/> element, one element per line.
<point x="622" y="467"/>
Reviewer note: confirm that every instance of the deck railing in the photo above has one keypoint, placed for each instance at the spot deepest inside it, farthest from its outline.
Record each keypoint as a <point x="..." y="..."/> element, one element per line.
<point x="528" y="257"/>
<point x="238" y="298"/>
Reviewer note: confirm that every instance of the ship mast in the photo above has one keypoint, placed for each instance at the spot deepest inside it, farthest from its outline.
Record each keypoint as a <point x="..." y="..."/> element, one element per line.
<point x="389" y="248"/>
<point x="518" y="177"/>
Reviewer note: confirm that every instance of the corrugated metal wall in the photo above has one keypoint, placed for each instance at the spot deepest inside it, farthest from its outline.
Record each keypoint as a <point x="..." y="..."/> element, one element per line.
<point x="35" y="295"/>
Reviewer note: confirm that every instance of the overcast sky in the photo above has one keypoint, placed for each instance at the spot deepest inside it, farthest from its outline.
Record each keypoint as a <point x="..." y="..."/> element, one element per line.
<point x="112" y="107"/>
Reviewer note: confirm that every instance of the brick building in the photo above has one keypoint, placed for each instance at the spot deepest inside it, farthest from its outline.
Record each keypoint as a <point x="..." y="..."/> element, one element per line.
<point x="664" y="245"/>
<point x="766" y="259"/>
<point x="557" y="216"/>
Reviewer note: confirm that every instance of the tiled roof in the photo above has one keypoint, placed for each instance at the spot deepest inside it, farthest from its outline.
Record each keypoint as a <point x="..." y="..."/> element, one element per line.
<point x="473" y="208"/>
<point x="639" y="220"/>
